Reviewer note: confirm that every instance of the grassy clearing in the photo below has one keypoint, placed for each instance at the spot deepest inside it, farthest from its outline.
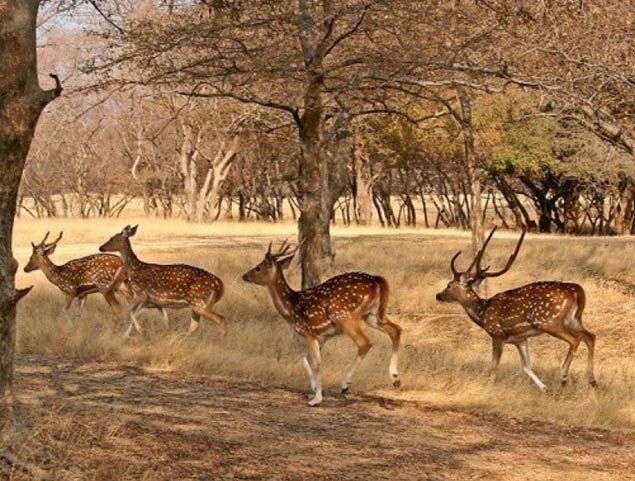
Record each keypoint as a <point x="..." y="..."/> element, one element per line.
<point x="445" y="356"/>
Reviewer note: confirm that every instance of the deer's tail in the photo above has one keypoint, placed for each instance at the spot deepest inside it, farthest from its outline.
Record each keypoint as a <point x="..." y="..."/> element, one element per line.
<point x="384" y="294"/>
<point x="581" y="302"/>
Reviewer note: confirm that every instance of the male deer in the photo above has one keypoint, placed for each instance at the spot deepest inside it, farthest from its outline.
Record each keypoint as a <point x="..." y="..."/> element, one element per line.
<point x="172" y="286"/>
<point x="80" y="277"/>
<point x="513" y="316"/>
<point x="338" y="306"/>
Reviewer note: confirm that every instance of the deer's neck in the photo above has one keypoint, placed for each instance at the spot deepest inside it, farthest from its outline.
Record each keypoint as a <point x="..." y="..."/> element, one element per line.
<point x="129" y="258"/>
<point x="284" y="298"/>
<point x="51" y="271"/>
<point x="475" y="307"/>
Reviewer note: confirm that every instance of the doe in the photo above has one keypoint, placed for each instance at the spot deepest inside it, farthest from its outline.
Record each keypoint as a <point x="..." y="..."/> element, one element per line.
<point x="161" y="286"/>
<point x="80" y="277"/>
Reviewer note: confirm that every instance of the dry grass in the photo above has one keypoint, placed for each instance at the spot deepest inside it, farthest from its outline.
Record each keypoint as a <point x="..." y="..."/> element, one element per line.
<point x="105" y="421"/>
<point x="445" y="356"/>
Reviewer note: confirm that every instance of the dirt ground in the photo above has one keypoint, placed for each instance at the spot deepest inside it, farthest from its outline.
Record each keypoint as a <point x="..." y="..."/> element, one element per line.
<point x="105" y="421"/>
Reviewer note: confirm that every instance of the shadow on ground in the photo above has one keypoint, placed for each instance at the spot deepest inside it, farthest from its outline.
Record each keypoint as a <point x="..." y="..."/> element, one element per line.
<point x="105" y="421"/>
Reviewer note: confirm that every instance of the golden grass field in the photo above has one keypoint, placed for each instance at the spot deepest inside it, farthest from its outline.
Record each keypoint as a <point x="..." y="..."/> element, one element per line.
<point x="444" y="356"/>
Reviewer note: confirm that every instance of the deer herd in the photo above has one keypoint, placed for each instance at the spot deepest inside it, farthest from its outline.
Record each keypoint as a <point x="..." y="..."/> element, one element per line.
<point x="341" y="305"/>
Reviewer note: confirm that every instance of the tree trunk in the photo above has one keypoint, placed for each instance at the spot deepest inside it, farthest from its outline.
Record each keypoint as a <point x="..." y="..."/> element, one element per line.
<point x="188" y="154"/>
<point x="21" y="102"/>
<point x="473" y="176"/>
<point x="363" y="189"/>
<point x="315" y="217"/>
<point x="521" y="216"/>
<point x="316" y="208"/>
<point x="625" y="208"/>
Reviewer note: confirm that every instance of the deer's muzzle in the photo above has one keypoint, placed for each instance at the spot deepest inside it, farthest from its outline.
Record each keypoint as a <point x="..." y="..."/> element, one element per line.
<point x="442" y="297"/>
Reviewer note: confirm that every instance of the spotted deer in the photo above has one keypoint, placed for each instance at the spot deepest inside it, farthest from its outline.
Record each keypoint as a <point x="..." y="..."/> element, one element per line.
<point x="341" y="305"/>
<point x="80" y="277"/>
<point x="513" y="316"/>
<point x="173" y="286"/>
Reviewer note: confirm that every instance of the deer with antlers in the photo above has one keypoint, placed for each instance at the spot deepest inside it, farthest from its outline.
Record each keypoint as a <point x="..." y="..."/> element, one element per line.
<point x="513" y="316"/>
<point x="80" y="277"/>
<point x="173" y="286"/>
<point x="341" y="305"/>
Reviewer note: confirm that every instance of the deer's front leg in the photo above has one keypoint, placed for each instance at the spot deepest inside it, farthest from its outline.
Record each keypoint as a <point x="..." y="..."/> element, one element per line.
<point x="81" y="302"/>
<point x="313" y="353"/>
<point x="136" y="309"/>
<point x="309" y="372"/>
<point x="497" y="352"/>
<point x="67" y="307"/>
<point x="523" y="351"/>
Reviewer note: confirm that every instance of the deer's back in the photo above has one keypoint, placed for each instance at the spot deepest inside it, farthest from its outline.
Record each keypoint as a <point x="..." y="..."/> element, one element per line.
<point x="537" y="305"/>
<point x="163" y="283"/>
<point x="336" y="298"/>
<point x="90" y="272"/>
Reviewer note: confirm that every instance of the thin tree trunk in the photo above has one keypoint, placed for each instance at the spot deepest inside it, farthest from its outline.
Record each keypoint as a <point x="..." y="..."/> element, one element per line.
<point x="363" y="189"/>
<point x="473" y="176"/>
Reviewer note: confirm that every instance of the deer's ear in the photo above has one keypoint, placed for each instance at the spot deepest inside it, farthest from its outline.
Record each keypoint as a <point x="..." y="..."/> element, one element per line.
<point x="475" y="282"/>
<point x="129" y="231"/>
<point x="50" y="249"/>
<point x="286" y="262"/>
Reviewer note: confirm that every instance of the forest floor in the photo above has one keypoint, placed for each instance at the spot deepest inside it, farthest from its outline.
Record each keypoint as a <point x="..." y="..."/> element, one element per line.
<point x="112" y="422"/>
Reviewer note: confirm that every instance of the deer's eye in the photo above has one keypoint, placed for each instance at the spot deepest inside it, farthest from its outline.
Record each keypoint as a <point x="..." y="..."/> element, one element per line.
<point x="258" y="269"/>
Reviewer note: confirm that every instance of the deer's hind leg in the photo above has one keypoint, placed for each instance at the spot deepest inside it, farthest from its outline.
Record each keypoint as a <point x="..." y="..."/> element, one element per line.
<point x="573" y="324"/>
<point x="67" y="306"/>
<point x="352" y="328"/>
<point x="208" y="314"/>
<point x="136" y="309"/>
<point x="113" y="302"/>
<point x="589" y="339"/>
<point x="204" y="309"/>
<point x="394" y="332"/>
<point x="571" y="337"/>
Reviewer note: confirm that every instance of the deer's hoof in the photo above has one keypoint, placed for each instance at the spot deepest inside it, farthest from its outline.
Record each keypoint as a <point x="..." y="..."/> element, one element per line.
<point x="593" y="383"/>
<point x="316" y="401"/>
<point x="396" y="384"/>
<point x="344" y="390"/>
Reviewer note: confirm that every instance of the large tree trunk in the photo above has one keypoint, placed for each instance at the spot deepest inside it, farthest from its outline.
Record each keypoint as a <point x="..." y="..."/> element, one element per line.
<point x="315" y="217"/>
<point x="21" y="102"/>
<point x="317" y="203"/>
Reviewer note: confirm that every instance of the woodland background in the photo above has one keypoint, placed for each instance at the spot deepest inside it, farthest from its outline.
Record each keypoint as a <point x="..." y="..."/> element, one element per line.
<point x="196" y="110"/>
